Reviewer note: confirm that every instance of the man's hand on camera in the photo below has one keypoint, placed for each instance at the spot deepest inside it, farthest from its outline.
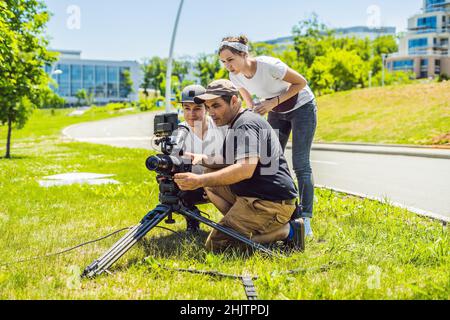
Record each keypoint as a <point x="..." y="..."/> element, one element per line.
<point x="188" y="181"/>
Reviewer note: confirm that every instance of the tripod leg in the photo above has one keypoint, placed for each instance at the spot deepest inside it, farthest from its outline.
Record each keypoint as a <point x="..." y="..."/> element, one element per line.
<point x="228" y="231"/>
<point x="153" y="218"/>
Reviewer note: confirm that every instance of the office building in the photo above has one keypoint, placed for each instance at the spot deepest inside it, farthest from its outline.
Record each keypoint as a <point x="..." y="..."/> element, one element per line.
<point x="424" y="50"/>
<point x="102" y="78"/>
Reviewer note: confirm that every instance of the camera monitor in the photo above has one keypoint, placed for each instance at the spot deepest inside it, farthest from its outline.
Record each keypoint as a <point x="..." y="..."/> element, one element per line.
<point x="165" y="124"/>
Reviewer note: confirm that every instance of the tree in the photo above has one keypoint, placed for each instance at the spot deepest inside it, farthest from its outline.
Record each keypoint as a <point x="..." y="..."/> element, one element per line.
<point x="384" y="44"/>
<point x="174" y="84"/>
<point x="81" y="96"/>
<point x="336" y="71"/>
<point x="320" y="78"/>
<point x="263" y="49"/>
<point x="84" y="98"/>
<point x="309" y="36"/>
<point x="207" y="68"/>
<point x="322" y="57"/>
<point x="146" y="81"/>
<point x="222" y="74"/>
<point x="51" y="100"/>
<point x="23" y="54"/>
<point x="154" y="73"/>
<point x="126" y="83"/>
<point x="181" y="68"/>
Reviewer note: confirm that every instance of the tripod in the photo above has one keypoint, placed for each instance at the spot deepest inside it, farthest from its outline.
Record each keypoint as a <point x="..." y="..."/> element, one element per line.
<point x="170" y="202"/>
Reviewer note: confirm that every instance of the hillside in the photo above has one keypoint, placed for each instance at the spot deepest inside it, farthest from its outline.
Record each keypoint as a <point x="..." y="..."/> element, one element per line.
<point x="405" y="114"/>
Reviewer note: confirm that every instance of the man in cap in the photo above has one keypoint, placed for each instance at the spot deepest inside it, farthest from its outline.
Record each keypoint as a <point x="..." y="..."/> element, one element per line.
<point x="256" y="192"/>
<point x="204" y="138"/>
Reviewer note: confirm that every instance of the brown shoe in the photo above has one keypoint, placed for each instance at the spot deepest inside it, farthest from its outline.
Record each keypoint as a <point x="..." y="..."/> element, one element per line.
<point x="298" y="241"/>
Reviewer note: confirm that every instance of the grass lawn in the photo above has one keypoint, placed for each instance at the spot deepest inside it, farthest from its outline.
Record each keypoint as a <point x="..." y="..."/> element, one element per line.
<point x="361" y="249"/>
<point x="407" y="114"/>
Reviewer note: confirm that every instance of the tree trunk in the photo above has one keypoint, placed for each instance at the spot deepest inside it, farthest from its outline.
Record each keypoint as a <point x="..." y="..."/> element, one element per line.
<point x="8" y="140"/>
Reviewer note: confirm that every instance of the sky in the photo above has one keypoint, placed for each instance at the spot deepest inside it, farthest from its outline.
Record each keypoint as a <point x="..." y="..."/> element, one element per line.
<point x="138" y="29"/>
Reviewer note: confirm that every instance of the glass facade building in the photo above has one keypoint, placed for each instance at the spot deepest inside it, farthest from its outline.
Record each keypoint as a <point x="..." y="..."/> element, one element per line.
<point x="425" y="48"/>
<point x="403" y="65"/>
<point x="427" y="24"/>
<point x="103" y="79"/>
<point x="434" y="5"/>
<point x="417" y="46"/>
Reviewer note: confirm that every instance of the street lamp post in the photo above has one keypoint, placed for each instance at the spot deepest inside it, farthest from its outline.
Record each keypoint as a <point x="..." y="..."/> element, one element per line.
<point x="383" y="56"/>
<point x="169" y="61"/>
<point x="55" y="72"/>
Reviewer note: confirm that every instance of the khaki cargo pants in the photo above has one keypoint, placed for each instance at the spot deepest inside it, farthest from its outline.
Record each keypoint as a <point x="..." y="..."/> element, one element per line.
<point x="248" y="216"/>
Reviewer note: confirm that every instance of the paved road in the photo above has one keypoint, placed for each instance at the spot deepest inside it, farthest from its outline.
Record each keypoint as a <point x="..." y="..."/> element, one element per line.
<point x="134" y="131"/>
<point x="419" y="183"/>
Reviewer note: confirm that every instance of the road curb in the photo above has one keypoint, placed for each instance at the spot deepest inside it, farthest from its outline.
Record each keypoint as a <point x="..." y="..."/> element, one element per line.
<point x="420" y="212"/>
<point x="66" y="135"/>
<point x="424" y="152"/>
<point x="429" y="147"/>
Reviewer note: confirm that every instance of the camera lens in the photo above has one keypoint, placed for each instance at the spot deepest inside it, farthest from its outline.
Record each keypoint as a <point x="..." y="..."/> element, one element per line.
<point x="158" y="163"/>
<point x="152" y="163"/>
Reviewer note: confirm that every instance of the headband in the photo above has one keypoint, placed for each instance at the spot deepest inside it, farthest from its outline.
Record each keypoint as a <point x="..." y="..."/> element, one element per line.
<point x="235" y="45"/>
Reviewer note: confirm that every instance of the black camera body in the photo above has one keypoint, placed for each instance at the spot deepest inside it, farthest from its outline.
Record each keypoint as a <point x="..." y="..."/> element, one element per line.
<point x="171" y="138"/>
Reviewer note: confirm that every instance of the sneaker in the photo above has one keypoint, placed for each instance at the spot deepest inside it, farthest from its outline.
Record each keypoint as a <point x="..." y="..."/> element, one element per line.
<point x="298" y="241"/>
<point x="308" y="230"/>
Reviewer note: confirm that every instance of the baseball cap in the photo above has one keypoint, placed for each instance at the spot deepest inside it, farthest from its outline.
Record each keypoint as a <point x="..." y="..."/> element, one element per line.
<point x="188" y="93"/>
<point x="216" y="89"/>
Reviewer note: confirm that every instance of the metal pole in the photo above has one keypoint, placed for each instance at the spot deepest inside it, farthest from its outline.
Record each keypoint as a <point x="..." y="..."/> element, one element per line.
<point x="383" y="56"/>
<point x="370" y="79"/>
<point x="169" y="62"/>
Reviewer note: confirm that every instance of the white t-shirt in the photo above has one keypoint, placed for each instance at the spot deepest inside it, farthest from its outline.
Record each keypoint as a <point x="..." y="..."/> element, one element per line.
<point x="268" y="81"/>
<point x="211" y="145"/>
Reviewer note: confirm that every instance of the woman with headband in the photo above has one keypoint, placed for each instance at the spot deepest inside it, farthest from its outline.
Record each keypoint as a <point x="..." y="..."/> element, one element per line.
<point x="288" y="100"/>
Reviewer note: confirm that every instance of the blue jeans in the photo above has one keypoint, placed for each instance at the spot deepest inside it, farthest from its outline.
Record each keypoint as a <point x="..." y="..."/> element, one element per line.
<point x="302" y="122"/>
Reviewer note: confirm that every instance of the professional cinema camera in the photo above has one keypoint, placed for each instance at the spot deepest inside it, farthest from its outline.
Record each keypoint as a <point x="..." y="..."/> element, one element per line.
<point x="170" y="137"/>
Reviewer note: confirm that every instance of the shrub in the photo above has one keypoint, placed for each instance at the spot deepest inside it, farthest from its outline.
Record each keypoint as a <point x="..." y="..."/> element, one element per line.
<point x="443" y="77"/>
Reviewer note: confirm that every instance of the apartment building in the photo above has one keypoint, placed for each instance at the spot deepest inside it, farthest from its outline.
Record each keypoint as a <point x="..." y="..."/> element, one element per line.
<point x="424" y="49"/>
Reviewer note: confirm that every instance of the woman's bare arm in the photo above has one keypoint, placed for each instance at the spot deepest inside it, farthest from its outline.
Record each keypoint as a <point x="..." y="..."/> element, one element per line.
<point x="247" y="97"/>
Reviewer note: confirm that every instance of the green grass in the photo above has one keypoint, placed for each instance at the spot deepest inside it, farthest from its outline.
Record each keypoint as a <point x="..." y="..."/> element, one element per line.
<point x="368" y="250"/>
<point x="406" y="114"/>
